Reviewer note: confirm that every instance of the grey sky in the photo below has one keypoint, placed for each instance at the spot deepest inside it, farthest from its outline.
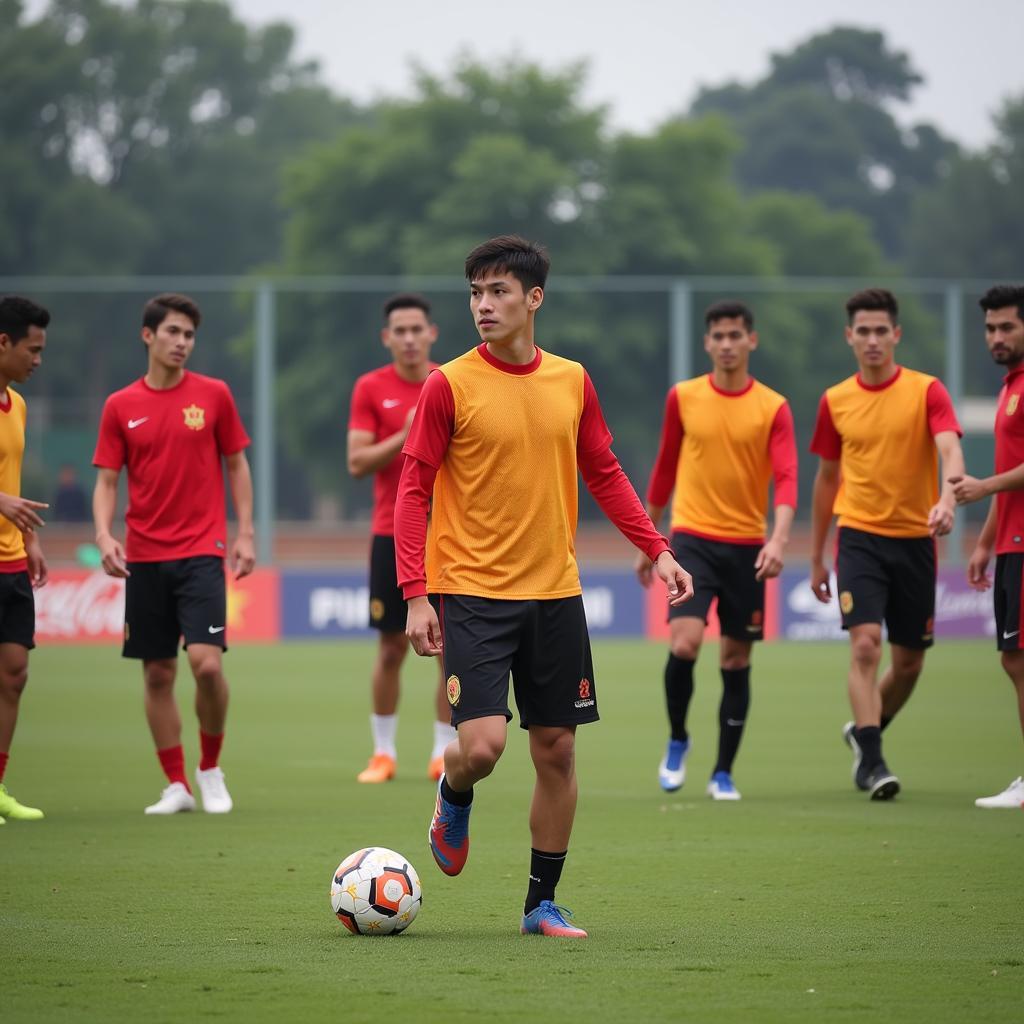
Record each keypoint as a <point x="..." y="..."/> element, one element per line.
<point x="647" y="58"/>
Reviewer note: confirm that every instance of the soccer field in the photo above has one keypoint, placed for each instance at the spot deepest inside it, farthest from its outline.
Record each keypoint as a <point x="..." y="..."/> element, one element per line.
<point x="804" y="902"/>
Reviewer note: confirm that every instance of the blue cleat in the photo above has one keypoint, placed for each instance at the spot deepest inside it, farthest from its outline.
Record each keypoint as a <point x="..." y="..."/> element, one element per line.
<point x="721" y="788"/>
<point x="672" y="770"/>
<point x="550" y="919"/>
<point x="449" y="834"/>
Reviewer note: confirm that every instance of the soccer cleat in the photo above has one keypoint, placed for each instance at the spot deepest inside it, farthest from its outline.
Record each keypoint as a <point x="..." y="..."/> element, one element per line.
<point x="721" y="788"/>
<point x="881" y="783"/>
<point x="216" y="798"/>
<point x="1011" y="797"/>
<point x="672" y="770"/>
<point x="10" y="808"/>
<point x="173" y="799"/>
<point x="550" y="919"/>
<point x="858" y="772"/>
<point x="436" y="768"/>
<point x="380" y="769"/>
<point x="449" y="834"/>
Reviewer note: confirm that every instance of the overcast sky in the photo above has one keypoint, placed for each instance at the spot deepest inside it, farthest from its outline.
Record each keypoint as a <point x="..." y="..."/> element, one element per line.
<point x="647" y="58"/>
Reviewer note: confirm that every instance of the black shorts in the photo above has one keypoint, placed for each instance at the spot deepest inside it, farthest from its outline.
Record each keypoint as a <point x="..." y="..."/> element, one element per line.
<point x="164" y="602"/>
<point x="543" y="644"/>
<point x="387" y="606"/>
<point x="890" y="580"/>
<point x="1006" y="596"/>
<point x="725" y="571"/>
<point x="17" y="610"/>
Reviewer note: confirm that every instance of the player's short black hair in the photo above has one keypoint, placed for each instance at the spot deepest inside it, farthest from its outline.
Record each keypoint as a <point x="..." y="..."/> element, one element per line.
<point x="406" y="300"/>
<point x="527" y="262"/>
<point x="999" y="296"/>
<point x="18" y="314"/>
<point x="729" y="309"/>
<point x="872" y="299"/>
<point x="154" y="313"/>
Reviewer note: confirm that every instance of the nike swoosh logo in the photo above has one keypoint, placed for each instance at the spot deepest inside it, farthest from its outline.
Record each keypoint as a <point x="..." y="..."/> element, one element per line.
<point x="216" y="629"/>
<point x="132" y="424"/>
<point x="390" y="403"/>
<point x="1006" y="636"/>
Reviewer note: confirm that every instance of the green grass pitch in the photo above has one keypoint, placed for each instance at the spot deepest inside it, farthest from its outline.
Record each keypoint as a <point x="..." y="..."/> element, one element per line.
<point x="804" y="902"/>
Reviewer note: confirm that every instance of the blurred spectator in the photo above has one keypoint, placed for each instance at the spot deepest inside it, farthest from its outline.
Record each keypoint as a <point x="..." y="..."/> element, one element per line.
<point x="70" y="504"/>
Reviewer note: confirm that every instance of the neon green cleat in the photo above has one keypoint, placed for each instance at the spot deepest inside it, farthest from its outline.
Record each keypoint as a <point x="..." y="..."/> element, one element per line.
<point x="10" y="808"/>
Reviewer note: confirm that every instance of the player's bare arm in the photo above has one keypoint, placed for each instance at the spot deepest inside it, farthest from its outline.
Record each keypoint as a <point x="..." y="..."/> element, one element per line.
<point x="977" y="565"/>
<point x="422" y="627"/>
<point x="678" y="581"/>
<point x="942" y="513"/>
<point x="771" y="558"/>
<point x="243" y="551"/>
<point x="23" y="512"/>
<point x="366" y="456"/>
<point x="104" y="504"/>
<point x="826" y="486"/>
<point x="643" y="566"/>
<point x="38" y="571"/>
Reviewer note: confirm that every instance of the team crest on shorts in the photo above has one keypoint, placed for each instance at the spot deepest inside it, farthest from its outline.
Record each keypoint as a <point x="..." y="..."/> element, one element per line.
<point x="454" y="690"/>
<point x="586" y="694"/>
<point x="846" y="602"/>
<point x="376" y="609"/>
<point x="195" y="418"/>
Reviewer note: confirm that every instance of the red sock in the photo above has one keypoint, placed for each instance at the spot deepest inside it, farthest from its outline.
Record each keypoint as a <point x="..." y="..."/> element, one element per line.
<point x="3" y="765"/>
<point x="209" y="747"/>
<point x="172" y="760"/>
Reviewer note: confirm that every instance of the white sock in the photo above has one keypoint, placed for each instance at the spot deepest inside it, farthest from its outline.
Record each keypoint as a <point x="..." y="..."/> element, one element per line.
<point x="443" y="735"/>
<point x="383" y="728"/>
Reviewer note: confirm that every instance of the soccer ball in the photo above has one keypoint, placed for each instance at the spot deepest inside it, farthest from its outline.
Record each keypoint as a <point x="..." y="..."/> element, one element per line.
<point x="376" y="892"/>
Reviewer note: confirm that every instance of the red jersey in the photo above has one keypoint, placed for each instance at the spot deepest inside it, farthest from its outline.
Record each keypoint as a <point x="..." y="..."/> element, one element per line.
<point x="172" y="442"/>
<point x="381" y="400"/>
<point x="1009" y="455"/>
<point x="499" y="447"/>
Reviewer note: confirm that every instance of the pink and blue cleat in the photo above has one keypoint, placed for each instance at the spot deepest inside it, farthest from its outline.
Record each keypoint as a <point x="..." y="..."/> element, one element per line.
<point x="550" y="919"/>
<point x="449" y="834"/>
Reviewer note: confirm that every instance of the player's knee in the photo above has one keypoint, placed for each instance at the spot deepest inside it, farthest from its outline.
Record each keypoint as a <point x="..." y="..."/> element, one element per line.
<point x="159" y="675"/>
<point x="13" y="679"/>
<point x="393" y="648"/>
<point x="866" y="649"/>
<point x="558" y="756"/>
<point x="1013" y="666"/>
<point x="207" y="670"/>
<point x="481" y="755"/>
<point x="685" y="648"/>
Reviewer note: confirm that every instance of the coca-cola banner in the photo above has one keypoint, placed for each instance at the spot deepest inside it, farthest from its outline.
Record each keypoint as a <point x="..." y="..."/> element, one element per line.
<point x="83" y="606"/>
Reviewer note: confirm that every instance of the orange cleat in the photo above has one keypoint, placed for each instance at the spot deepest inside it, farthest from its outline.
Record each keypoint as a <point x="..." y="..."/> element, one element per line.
<point x="436" y="768"/>
<point x="380" y="769"/>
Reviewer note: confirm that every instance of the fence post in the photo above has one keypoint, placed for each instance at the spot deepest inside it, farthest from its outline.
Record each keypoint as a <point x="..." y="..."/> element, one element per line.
<point x="263" y="414"/>
<point x="955" y="386"/>
<point x="680" y="330"/>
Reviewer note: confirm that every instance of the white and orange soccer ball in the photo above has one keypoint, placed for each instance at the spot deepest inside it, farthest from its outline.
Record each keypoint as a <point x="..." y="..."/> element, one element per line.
<point x="376" y="892"/>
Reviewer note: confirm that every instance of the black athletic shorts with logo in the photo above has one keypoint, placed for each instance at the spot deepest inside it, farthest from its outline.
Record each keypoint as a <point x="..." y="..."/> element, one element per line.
<point x="166" y="602"/>
<point x="890" y="580"/>
<point x="17" y="610"/>
<point x="543" y="644"/>
<point x="726" y="571"/>
<point x="1006" y="596"/>
<point x="387" y="605"/>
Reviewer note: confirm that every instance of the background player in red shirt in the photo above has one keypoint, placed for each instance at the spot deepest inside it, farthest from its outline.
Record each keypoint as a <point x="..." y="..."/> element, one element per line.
<point x="499" y="437"/>
<point x="22" y="565"/>
<point x="383" y="403"/>
<point x="171" y="430"/>
<point x="878" y="436"/>
<point x="1003" y="531"/>
<point x="724" y="437"/>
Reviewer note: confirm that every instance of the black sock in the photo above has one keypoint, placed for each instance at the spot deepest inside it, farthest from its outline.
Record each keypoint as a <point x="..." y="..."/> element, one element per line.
<point x="870" y="739"/>
<point x="678" y="691"/>
<point x="732" y="714"/>
<point x="886" y="719"/>
<point x="453" y="796"/>
<point x="545" y="871"/>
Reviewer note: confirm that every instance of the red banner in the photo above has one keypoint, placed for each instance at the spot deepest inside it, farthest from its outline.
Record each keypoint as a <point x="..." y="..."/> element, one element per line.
<point x="82" y="606"/>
